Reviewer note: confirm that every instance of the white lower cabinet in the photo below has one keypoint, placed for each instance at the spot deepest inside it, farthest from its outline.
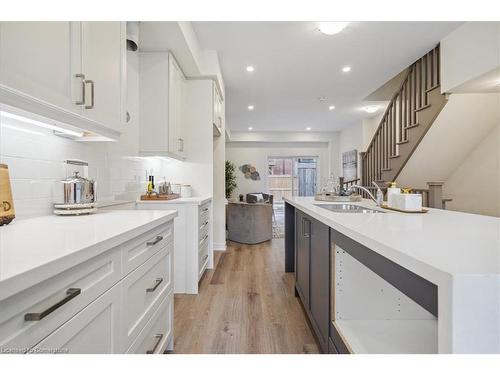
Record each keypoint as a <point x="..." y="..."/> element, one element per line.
<point x="95" y="329"/>
<point x="119" y="301"/>
<point x="157" y="335"/>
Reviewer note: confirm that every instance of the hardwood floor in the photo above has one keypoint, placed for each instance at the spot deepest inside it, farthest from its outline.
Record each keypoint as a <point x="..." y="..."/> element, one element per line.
<point x="246" y="304"/>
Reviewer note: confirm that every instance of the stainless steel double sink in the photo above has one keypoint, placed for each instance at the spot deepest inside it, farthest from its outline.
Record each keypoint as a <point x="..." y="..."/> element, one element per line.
<point x="348" y="208"/>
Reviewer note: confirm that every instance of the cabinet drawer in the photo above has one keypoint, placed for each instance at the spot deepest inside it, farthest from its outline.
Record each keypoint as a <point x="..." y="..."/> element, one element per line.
<point x="157" y="333"/>
<point x="204" y="213"/>
<point x="202" y="259"/>
<point x="138" y="250"/>
<point x="143" y="291"/>
<point x="28" y="317"/>
<point x="93" y="330"/>
<point x="203" y="228"/>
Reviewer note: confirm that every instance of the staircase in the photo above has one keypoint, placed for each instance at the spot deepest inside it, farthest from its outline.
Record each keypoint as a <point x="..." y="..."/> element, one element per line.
<point x="409" y="115"/>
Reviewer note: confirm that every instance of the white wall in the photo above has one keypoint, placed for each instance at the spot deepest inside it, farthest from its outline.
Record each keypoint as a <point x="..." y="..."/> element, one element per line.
<point x="257" y="154"/>
<point x="468" y="52"/>
<point x="475" y="184"/>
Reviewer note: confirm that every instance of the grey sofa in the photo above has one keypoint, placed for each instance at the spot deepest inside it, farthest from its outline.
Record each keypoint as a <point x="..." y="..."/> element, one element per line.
<point x="249" y="223"/>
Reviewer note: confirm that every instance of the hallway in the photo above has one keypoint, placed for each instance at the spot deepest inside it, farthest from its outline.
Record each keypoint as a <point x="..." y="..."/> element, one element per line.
<point x="246" y="304"/>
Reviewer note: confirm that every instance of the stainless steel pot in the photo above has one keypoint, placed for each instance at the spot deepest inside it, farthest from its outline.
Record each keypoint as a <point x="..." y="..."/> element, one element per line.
<point x="76" y="190"/>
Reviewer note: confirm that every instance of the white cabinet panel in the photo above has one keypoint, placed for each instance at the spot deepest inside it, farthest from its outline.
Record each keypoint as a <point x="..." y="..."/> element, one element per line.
<point x="162" y="106"/>
<point x="103" y="51"/>
<point x="93" y="330"/>
<point x="37" y="59"/>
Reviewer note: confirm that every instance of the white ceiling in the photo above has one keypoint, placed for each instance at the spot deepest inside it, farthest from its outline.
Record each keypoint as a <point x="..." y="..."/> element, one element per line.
<point x="295" y="65"/>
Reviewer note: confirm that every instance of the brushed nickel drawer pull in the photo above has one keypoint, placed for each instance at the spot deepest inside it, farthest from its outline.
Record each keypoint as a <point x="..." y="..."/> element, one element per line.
<point x="155" y="241"/>
<point x="204" y="238"/>
<point x="70" y="294"/>
<point x="158" y="338"/>
<point x="157" y="284"/>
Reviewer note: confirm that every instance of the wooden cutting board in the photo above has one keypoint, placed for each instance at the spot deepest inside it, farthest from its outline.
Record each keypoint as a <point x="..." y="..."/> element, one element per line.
<point x="159" y="197"/>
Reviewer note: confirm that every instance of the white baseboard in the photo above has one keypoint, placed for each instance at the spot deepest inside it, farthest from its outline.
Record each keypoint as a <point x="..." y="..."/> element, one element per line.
<point x="219" y="246"/>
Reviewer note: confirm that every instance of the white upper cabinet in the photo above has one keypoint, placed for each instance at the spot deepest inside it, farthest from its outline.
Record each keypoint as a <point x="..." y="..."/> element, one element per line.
<point x="103" y="56"/>
<point x="218" y="108"/>
<point x="162" y="105"/>
<point x="36" y="59"/>
<point x="71" y="72"/>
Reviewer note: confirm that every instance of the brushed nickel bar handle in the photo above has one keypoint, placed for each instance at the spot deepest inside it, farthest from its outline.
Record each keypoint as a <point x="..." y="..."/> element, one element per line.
<point x="155" y="241"/>
<point x="204" y="238"/>
<point x="81" y="102"/>
<point x="158" y="338"/>
<point x="70" y="294"/>
<point x="92" y="87"/>
<point x="157" y="284"/>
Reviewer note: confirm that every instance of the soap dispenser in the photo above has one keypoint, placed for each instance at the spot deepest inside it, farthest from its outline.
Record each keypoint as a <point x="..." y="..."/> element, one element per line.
<point x="390" y="192"/>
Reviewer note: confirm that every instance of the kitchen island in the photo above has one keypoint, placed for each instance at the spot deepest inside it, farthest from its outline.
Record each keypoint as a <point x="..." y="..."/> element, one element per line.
<point x="396" y="282"/>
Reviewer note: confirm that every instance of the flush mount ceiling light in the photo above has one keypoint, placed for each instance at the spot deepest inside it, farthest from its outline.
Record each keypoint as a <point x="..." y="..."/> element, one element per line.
<point x="250" y="128"/>
<point x="250" y="107"/>
<point x="371" y="108"/>
<point x="346" y="69"/>
<point x="250" y="68"/>
<point x="332" y="28"/>
<point x="331" y="108"/>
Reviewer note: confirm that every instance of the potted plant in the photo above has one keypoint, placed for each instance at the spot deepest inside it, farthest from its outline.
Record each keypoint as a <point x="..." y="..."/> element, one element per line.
<point x="230" y="178"/>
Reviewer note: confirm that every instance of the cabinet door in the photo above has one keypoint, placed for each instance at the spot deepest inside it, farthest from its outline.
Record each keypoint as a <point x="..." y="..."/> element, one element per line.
<point x="37" y="59"/>
<point x="302" y="256"/>
<point x="103" y="54"/>
<point x="320" y="279"/>
<point x="94" y="330"/>
<point x="176" y="92"/>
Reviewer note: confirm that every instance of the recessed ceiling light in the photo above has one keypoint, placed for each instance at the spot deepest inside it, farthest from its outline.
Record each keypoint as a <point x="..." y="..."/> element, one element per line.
<point x="250" y="68"/>
<point x="371" y="108"/>
<point x="346" y="69"/>
<point x="322" y="98"/>
<point x="250" y="128"/>
<point x="332" y="28"/>
<point x="308" y="128"/>
<point x="250" y="107"/>
<point x="331" y="108"/>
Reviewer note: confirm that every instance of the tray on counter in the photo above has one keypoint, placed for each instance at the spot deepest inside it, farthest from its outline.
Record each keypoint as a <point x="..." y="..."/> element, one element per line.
<point x="422" y="211"/>
<point x="159" y="197"/>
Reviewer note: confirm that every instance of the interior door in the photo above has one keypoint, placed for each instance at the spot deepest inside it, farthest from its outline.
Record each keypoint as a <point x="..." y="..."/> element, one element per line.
<point x="37" y="59"/>
<point x="103" y="50"/>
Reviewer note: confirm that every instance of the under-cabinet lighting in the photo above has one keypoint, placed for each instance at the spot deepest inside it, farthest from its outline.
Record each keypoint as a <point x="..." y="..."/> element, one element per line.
<point x="332" y="28"/>
<point x="41" y="124"/>
<point x="371" y="108"/>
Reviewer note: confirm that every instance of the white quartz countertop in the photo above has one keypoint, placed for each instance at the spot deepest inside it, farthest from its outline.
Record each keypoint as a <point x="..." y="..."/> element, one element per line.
<point x="434" y="245"/>
<point x="192" y="200"/>
<point x="35" y="249"/>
